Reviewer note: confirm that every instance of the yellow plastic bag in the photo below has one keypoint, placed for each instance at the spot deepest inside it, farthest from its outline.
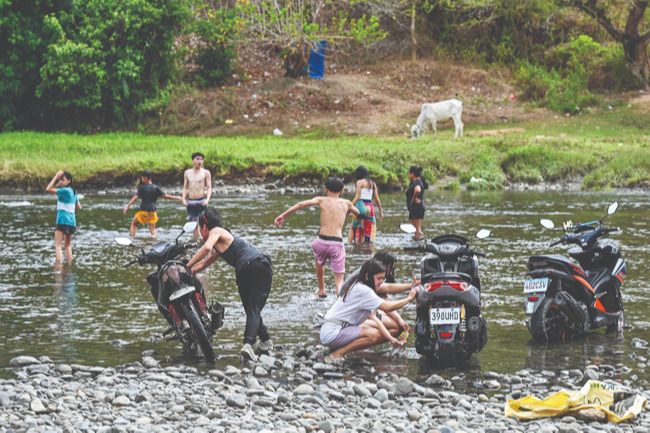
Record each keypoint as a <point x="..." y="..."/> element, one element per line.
<point x="617" y="404"/>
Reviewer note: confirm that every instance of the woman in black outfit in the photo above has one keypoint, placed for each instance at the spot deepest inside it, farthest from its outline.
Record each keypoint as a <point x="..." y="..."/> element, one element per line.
<point x="415" y="199"/>
<point x="254" y="272"/>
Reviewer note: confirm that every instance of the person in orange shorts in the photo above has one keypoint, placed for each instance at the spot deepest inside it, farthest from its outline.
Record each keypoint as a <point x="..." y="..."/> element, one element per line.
<point x="149" y="192"/>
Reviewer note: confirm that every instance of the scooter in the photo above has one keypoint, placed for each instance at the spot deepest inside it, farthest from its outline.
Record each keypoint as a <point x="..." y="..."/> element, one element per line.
<point x="448" y="325"/>
<point x="179" y="295"/>
<point x="563" y="299"/>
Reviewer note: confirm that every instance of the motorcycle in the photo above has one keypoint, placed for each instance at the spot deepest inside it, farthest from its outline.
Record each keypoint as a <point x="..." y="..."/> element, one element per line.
<point x="564" y="300"/>
<point x="179" y="295"/>
<point x="448" y="324"/>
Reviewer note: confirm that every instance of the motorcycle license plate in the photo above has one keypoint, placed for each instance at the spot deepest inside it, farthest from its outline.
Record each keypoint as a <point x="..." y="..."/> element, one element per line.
<point x="180" y="293"/>
<point x="444" y="316"/>
<point x="535" y="285"/>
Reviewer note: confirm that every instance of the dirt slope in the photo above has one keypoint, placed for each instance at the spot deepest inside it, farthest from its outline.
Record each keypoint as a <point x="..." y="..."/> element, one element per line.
<point x="382" y="99"/>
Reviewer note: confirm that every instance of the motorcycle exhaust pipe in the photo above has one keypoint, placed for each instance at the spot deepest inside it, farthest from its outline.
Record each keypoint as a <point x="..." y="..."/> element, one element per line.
<point x="571" y="309"/>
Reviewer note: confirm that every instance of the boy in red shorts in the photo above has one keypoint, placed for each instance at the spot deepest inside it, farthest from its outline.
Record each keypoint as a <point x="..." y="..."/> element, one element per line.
<point x="329" y="244"/>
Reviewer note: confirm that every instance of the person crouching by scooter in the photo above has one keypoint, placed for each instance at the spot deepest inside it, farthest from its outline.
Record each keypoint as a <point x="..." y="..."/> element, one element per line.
<point x="352" y="323"/>
<point x="254" y="272"/>
<point x="391" y="320"/>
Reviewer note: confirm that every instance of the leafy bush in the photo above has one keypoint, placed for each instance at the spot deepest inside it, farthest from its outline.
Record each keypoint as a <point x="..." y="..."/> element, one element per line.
<point x="213" y="52"/>
<point x="95" y="60"/>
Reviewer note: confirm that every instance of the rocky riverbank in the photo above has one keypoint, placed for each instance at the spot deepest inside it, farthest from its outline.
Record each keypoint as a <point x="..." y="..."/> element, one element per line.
<point x="291" y="390"/>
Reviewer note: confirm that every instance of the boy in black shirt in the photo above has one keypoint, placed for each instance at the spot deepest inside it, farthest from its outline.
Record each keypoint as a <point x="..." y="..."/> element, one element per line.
<point x="149" y="193"/>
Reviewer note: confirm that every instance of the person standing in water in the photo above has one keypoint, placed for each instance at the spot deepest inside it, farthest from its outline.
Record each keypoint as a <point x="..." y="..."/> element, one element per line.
<point x="415" y="199"/>
<point x="329" y="244"/>
<point x="254" y="272"/>
<point x="364" y="230"/>
<point x="197" y="189"/>
<point x="66" y="205"/>
<point x="149" y="193"/>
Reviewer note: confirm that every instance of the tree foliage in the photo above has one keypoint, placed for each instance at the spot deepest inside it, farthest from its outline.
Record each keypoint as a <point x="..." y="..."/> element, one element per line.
<point x="88" y="62"/>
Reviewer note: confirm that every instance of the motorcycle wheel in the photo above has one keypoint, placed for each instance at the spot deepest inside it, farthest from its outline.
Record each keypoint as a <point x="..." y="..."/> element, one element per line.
<point x="547" y="322"/>
<point x="199" y="330"/>
<point x="618" y="325"/>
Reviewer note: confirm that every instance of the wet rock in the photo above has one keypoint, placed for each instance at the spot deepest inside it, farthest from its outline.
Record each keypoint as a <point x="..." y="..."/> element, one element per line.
<point x="591" y="374"/>
<point x="21" y="361"/>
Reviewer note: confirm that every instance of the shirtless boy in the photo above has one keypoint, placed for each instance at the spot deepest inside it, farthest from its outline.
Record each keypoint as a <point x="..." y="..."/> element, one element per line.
<point x="197" y="179"/>
<point x="329" y="244"/>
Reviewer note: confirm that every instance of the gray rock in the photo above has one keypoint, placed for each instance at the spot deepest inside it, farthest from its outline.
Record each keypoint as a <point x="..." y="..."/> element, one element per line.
<point x="236" y="400"/>
<point x="381" y="395"/>
<point x="436" y="381"/>
<point x="403" y="386"/>
<point x="122" y="400"/>
<point x="414" y="415"/>
<point x="361" y="390"/>
<point x="591" y="374"/>
<point x="304" y="389"/>
<point x="21" y="361"/>
<point x="37" y="406"/>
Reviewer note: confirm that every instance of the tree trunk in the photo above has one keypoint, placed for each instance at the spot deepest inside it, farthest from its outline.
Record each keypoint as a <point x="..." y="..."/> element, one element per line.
<point x="414" y="43"/>
<point x="636" y="57"/>
<point x="635" y="46"/>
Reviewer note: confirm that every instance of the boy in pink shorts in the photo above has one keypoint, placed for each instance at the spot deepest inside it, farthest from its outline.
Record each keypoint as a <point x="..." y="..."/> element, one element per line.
<point x="329" y="244"/>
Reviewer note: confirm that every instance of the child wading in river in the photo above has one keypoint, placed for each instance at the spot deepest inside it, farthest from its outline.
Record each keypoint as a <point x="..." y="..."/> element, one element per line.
<point x="149" y="193"/>
<point x="329" y="244"/>
<point x="66" y="222"/>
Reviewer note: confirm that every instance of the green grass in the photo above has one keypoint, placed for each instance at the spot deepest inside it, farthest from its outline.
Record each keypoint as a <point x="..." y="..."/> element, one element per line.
<point x="607" y="148"/>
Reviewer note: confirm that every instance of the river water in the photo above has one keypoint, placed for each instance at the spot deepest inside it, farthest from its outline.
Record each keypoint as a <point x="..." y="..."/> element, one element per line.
<point x="96" y="312"/>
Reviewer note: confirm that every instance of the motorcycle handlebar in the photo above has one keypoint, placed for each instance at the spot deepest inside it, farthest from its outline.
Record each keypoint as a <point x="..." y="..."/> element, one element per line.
<point x="413" y="249"/>
<point x="132" y="262"/>
<point x="480" y="254"/>
<point x="556" y="242"/>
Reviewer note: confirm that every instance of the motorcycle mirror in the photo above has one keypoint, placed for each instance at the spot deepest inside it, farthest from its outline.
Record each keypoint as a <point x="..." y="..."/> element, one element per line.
<point x="546" y="223"/>
<point x="125" y="242"/>
<point x="407" y="228"/>
<point x="189" y="226"/>
<point x="612" y="208"/>
<point x="483" y="233"/>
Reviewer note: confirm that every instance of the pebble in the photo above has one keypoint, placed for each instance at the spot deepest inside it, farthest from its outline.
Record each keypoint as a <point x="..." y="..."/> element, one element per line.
<point x="143" y="397"/>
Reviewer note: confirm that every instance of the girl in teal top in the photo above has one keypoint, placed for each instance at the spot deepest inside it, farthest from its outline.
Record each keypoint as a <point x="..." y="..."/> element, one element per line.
<point x="66" y="223"/>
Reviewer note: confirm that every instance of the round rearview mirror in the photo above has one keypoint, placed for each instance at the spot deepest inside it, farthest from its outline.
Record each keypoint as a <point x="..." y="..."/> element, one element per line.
<point x="483" y="233"/>
<point x="408" y="228"/>
<point x="189" y="226"/>
<point x="125" y="242"/>
<point x="546" y="223"/>
<point x="612" y="208"/>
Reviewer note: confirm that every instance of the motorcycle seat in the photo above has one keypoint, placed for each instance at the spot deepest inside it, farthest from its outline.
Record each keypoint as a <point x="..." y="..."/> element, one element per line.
<point x="447" y="276"/>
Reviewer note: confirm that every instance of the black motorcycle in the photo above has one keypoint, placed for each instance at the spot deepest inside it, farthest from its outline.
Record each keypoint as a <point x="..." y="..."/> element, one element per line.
<point x="179" y="295"/>
<point x="565" y="300"/>
<point x="449" y="326"/>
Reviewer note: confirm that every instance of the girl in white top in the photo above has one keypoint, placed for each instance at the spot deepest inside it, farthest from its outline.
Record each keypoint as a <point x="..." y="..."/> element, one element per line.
<point x="364" y="229"/>
<point x="352" y="323"/>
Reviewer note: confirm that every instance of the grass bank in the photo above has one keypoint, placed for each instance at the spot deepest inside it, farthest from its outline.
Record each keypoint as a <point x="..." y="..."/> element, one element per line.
<point x="606" y="150"/>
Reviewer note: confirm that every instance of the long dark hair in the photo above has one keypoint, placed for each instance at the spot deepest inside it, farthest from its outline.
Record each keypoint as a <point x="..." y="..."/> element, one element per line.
<point x="362" y="173"/>
<point x="417" y="172"/>
<point x="367" y="275"/>
<point x="68" y="176"/>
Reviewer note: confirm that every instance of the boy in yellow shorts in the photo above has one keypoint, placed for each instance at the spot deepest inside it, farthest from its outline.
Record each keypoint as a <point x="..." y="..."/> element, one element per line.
<point x="149" y="193"/>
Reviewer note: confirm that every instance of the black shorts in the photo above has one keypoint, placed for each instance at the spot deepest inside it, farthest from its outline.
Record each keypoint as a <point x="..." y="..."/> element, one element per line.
<point x="416" y="212"/>
<point x="66" y="229"/>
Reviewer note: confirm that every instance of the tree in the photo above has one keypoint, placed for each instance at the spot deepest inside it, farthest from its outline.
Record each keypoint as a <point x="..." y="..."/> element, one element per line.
<point x="635" y="45"/>
<point x="292" y="26"/>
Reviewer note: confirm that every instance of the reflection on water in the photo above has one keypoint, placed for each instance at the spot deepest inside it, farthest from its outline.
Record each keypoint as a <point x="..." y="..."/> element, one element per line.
<point x="97" y="312"/>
